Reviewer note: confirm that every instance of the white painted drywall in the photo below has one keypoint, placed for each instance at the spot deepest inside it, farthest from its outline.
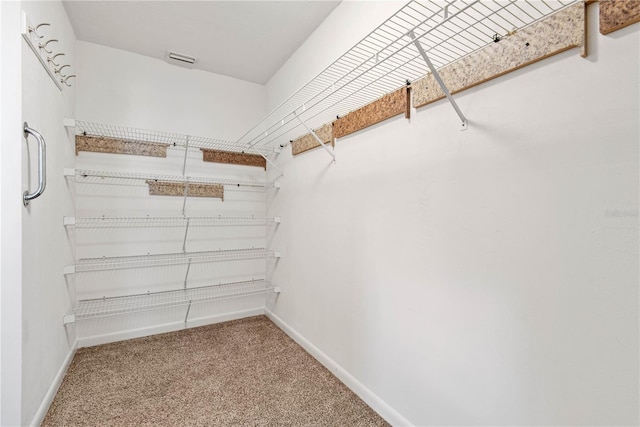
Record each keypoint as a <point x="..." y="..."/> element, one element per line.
<point x="346" y="25"/>
<point x="46" y="248"/>
<point x="127" y="89"/>
<point x="122" y="88"/>
<point x="10" y="214"/>
<point x="485" y="277"/>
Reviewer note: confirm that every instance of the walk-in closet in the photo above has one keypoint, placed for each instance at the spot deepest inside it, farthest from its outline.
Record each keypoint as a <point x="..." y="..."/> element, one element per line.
<point x="320" y="213"/>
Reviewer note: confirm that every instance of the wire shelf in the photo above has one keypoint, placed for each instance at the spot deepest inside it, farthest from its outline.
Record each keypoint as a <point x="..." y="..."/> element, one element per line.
<point x="159" y="137"/>
<point x="100" y="177"/>
<point x="157" y="260"/>
<point x="180" y="221"/>
<point x="102" y="307"/>
<point x="387" y="59"/>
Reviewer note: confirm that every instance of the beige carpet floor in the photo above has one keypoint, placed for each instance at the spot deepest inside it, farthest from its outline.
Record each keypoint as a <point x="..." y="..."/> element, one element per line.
<point x="241" y="373"/>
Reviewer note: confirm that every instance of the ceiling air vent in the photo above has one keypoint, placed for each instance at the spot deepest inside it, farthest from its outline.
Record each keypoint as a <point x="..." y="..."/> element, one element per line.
<point x="180" y="59"/>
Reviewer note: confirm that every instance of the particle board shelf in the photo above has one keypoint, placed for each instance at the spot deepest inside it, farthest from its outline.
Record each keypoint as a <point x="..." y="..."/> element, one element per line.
<point x="102" y="307"/>
<point x="384" y="60"/>
<point x="114" y="177"/>
<point x="158" y="260"/>
<point x="233" y="158"/>
<point x="617" y="14"/>
<point x="164" y="221"/>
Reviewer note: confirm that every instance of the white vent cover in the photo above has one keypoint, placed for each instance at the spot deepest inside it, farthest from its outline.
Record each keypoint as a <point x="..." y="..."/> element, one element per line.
<point x="180" y="59"/>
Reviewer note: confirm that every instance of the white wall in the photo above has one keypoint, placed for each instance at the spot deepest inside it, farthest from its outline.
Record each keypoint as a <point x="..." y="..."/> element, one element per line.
<point x="346" y="25"/>
<point x="485" y="277"/>
<point x="10" y="214"/>
<point x="46" y="343"/>
<point x="122" y="88"/>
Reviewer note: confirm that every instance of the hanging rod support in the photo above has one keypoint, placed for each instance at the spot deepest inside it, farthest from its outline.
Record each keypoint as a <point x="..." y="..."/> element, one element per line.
<point x="331" y="153"/>
<point x="439" y="80"/>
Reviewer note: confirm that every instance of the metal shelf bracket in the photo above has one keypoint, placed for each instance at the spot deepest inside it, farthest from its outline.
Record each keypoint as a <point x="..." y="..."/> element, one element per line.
<point x="331" y="153"/>
<point x="433" y="70"/>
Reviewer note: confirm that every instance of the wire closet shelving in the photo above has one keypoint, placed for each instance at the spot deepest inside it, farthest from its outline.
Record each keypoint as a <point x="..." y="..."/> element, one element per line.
<point x="102" y="177"/>
<point x="102" y="307"/>
<point x="167" y="221"/>
<point x="158" y="260"/>
<point x="186" y="296"/>
<point x="167" y="138"/>
<point x="387" y="58"/>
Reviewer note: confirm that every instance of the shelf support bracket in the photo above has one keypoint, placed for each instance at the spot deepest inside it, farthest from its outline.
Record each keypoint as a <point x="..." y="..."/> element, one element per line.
<point x="186" y="192"/>
<point x="184" y="162"/>
<point x="433" y="70"/>
<point x="331" y="153"/>
<point x="273" y="165"/>
<point x="186" y="276"/>
<point x="184" y="241"/>
<point x="68" y="319"/>
<point x="186" y="316"/>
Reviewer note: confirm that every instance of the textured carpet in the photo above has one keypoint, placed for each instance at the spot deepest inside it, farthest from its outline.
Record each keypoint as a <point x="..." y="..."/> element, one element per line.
<point x="245" y="372"/>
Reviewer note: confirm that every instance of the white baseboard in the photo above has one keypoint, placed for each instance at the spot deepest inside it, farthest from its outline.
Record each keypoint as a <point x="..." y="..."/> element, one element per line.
<point x="369" y="397"/>
<point x="166" y="327"/>
<point x="53" y="389"/>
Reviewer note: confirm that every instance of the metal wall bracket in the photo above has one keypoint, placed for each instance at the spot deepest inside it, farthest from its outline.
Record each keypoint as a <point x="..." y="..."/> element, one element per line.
<point x="444" y="88"/>
<point x="184" y="199"/>
<point x="184" y="241"/>
<point x="186" y="275"/>
<point x="331" y="152"/>
<point x="186" y="152"/>
<point x="68" y="318"/>
<point x="186" y="316"/>
<point x="273" y="165"/>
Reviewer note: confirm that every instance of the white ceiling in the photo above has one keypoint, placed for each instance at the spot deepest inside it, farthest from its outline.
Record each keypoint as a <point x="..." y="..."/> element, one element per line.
<point x="248" y="40"/>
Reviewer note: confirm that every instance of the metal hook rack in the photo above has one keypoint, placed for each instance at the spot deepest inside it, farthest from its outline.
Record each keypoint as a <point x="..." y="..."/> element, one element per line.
<point x="52" y="59"/>
<point x="65" y="78"/>
<point x="45" y="54"/>
<point x="34" y="30"/>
